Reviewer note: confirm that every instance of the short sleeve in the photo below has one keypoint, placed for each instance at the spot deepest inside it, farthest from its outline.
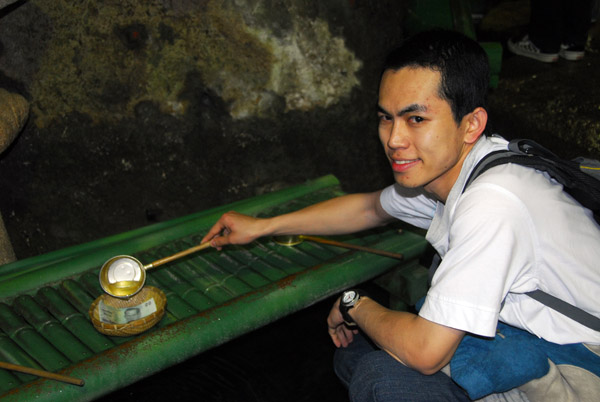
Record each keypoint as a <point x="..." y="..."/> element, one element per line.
<point x="409" y="205"/>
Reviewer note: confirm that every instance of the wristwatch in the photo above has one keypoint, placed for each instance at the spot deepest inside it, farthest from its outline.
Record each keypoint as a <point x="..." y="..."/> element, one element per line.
<point x="348" y="301"/>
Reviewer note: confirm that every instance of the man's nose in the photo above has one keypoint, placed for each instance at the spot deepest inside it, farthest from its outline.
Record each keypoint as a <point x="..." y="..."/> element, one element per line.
<point x="398" y="136"/>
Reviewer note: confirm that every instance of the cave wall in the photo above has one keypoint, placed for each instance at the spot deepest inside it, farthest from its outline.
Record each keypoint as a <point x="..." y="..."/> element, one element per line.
<point x="143" y="111"/>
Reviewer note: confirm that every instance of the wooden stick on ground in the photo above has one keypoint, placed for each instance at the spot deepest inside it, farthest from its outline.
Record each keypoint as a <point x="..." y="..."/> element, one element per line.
<point x="42" y="373"/>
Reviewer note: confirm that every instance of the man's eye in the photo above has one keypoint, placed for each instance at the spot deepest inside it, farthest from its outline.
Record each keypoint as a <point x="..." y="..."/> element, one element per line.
<point x="416" y="119"/>
<point x="383" y="117"/>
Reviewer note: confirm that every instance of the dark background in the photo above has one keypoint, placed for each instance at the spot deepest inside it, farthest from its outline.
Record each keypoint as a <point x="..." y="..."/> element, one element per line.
<point x="101" y="155"/>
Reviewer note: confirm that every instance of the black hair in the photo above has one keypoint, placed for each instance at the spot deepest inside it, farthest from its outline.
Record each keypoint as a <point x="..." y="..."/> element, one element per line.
<point x="462" y="63"/>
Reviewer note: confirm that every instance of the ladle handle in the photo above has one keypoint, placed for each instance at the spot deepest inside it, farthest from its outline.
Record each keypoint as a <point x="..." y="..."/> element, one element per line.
<point x="177" y="255"/>
<point x="352" y="246"/>
<point x="42" y="373"/>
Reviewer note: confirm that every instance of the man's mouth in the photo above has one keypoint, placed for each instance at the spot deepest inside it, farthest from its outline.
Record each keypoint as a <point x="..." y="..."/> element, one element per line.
<point x="404" y="164"/>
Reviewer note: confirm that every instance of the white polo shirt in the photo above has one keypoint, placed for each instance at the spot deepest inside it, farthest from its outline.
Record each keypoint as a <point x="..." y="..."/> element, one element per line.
<point x="512" y="231"/>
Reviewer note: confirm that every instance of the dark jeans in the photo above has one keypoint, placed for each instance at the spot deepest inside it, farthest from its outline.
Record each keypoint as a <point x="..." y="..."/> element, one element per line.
<point x="556" y="22"/>
<point x="370" y="374"/>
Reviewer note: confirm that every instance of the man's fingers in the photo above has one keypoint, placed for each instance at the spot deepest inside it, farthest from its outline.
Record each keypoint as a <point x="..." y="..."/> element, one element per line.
<point x="341" y="336"/>
<point x="348" y="335"/>
<point x="334" y="337"/>
<point x="213" y="233"/>
<point x="220" y="241"/>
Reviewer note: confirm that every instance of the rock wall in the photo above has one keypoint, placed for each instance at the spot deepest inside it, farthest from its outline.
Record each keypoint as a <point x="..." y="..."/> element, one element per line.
<point x="143" y="111"/>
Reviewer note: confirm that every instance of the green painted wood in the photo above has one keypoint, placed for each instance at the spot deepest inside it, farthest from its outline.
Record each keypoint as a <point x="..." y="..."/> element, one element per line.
<point x="207" y="275"/>
<point x="296" y="255"/>
<point x="173" y="344"/>
<point x="245" y="256"/>
<point x="31" y="341"/>
<point x="8" y="381"/>
<point x="178" y="307"/>
<point x="252" y="279"/>
<point x="51" y="329"/>
<point x="212" y="296"/>
<point x="74" y="321"/>
<point x="10" y="352"/>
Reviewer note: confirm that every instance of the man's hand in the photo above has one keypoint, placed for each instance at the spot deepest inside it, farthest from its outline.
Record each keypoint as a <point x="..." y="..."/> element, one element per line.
<point x="340" y="333"/>
<point x="234" y="228"/>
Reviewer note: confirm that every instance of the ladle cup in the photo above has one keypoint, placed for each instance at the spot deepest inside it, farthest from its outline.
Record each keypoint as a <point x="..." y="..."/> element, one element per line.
<point x="292" y="240"/>
<point x="123" y="276"/>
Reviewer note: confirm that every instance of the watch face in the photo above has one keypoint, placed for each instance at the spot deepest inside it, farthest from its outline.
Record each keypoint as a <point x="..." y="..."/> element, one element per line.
<point x="349" y="296"/>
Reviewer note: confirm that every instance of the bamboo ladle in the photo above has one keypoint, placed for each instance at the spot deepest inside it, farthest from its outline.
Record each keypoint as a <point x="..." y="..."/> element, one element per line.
<point x="42" y="373"/>
<point x="292" y="240"/>
<point x="123" y="276"/>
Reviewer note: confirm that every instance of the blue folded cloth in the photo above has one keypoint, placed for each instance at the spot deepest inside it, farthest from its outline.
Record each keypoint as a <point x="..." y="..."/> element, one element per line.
<point x="483" y="366"/>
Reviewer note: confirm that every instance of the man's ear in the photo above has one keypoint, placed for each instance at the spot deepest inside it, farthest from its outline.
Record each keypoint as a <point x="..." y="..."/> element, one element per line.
<point x="475" y="123"/>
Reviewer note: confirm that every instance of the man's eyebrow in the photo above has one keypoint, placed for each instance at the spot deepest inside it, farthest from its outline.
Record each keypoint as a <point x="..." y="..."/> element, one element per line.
<point x="381" y="110"/>
<point x="414" y="107"/>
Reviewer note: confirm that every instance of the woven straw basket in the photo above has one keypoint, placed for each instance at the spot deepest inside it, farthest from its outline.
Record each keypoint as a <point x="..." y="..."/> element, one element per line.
<point x="133" y="327"/>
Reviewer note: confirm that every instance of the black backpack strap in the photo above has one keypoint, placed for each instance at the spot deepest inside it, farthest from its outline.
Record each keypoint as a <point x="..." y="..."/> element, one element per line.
<point x="580" y="185"/>
<point x="574" y="313"/>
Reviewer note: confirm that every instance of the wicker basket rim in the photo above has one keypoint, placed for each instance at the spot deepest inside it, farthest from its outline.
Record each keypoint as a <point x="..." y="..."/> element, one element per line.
<point x="137" y="325"/>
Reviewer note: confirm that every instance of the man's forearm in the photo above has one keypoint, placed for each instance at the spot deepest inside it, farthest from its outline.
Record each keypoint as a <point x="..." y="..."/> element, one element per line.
<point x="420" y="344"/>
<point x="341" y="215"/>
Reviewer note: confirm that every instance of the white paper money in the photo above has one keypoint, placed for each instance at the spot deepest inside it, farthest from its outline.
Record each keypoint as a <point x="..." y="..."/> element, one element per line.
<point x="115" y="315"/>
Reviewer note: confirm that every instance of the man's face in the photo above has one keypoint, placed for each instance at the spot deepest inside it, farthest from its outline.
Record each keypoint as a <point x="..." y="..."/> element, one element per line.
<point x="421" y="139"/>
